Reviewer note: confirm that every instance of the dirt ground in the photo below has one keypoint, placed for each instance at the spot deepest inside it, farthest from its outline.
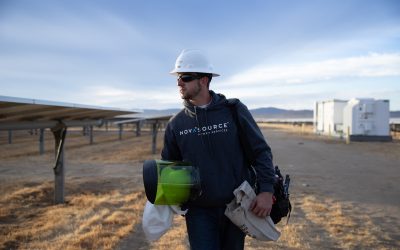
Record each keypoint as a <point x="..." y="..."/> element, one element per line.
<point x="344" y="196"/>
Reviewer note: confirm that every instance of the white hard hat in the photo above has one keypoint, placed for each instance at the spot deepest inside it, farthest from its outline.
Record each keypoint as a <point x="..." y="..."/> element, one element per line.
<point x="193" y="60"/>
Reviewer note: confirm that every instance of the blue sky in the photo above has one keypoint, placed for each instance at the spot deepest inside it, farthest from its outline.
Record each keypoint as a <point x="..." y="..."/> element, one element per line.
<point x="285" y="54"/>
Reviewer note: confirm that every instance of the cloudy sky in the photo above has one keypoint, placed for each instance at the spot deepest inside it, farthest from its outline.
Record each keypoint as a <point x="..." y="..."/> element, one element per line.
<point x="285" y="54"/>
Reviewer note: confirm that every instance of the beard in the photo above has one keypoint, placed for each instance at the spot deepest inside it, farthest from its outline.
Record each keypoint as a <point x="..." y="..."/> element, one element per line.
<point x="192" y="93"/>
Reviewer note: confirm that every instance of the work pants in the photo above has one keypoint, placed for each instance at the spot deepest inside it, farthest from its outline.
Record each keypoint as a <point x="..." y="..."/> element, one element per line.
<point x="210" y="229"/>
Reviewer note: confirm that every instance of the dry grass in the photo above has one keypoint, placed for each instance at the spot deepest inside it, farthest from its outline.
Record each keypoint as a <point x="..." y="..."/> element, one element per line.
<point x="100" y="221"/>
<point x="99" y="211"/>
<point x="85" y="221"/>
<point x="322" y="223"/>
<point x="298" y="128"/>
<point x="395" y="135"/>
<point x="175" y="238"/>
<point x="340" y="226"/>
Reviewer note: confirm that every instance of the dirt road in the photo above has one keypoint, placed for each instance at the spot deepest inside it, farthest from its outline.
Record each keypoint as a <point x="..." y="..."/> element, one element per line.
<point x="365" y="172"/>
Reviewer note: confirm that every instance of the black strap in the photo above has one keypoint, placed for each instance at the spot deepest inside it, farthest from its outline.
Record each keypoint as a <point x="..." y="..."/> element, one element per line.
<point x="245" y="144"/>
<point x="248" y="154"/>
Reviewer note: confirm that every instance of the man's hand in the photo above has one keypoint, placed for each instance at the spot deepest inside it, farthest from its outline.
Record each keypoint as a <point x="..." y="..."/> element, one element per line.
<point x="262" y="204"/>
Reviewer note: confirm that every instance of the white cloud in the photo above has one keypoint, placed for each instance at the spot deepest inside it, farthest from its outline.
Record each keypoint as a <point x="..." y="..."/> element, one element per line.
<point x="372" y="65"/>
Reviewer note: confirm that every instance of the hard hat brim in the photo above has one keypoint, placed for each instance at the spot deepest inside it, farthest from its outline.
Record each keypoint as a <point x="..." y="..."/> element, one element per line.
<point x="192" y="70"/>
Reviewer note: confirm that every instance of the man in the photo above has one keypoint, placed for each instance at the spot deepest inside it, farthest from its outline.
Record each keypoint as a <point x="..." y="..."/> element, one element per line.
<point x="204" y="133"/>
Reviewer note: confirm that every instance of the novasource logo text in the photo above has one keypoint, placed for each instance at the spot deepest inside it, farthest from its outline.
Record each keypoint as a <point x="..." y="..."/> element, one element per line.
<point x="208" y="129"/>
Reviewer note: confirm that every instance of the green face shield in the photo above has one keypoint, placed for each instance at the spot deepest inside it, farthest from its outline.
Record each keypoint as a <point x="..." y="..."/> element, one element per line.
<point x="170" y="183"/>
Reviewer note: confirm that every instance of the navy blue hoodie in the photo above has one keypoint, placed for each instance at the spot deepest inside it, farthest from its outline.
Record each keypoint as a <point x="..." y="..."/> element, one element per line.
<point x="208" y="139"/>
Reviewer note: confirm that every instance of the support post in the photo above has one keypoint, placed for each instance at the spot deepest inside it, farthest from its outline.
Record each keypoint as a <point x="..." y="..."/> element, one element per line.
<point x="154" y="144"/>
<point x="329" y="131"/>
<point x="41" y="141"/>
<point x="120" y="131"/>
<point x="348" y="135"/>
<point x="91" y="134"/>
<point x="10" y="136"/>
<point x="59" y="178"/>
<point x="138" y="128"/>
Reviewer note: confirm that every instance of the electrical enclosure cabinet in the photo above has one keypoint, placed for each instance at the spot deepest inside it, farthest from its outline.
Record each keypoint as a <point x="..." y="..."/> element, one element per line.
<point x="361" y="119"/>
<point x="328" y="117"/>
<point x="367" y="119"/>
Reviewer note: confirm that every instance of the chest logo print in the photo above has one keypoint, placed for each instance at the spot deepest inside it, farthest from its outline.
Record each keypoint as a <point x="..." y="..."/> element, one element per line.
<point x="205" y="130"/>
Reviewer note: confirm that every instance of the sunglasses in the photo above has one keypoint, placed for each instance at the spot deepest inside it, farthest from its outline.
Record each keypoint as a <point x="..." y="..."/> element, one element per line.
<point x="188" y="78"/>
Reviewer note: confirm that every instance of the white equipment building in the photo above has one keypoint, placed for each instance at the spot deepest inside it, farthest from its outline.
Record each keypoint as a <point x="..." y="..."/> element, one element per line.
<point x="360" y="119"/>
<point x="328" y="117"/>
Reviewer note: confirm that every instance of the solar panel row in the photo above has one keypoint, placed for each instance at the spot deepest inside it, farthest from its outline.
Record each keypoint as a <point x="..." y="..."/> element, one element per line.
<point x="22" y="113"/>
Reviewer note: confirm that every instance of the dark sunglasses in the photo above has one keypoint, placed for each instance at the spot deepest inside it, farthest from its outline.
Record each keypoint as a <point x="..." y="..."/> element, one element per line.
<point x="188" y="78"/>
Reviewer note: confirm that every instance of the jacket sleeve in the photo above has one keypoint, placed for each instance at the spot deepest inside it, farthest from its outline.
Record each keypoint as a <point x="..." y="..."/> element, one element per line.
<point x="261" y="151"/>
<point x="170" y="150"/>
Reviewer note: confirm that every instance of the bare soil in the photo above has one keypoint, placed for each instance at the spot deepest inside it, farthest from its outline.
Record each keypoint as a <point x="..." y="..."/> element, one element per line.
<point x="344" y="196"/>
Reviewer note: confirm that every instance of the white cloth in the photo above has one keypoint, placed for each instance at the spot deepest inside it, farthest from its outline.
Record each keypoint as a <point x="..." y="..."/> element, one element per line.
<point x="157" y="219"/>
<point x="238" y="212"/>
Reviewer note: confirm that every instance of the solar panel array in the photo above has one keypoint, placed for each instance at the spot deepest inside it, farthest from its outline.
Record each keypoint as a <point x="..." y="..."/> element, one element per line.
<point x="22" y="113"/>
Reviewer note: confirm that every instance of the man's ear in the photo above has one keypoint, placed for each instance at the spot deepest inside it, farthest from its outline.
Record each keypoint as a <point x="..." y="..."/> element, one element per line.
<point x="204" y="81"/>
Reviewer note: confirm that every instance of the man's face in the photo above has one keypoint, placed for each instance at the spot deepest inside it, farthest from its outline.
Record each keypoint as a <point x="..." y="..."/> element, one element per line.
<point x="189" y="85"/>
